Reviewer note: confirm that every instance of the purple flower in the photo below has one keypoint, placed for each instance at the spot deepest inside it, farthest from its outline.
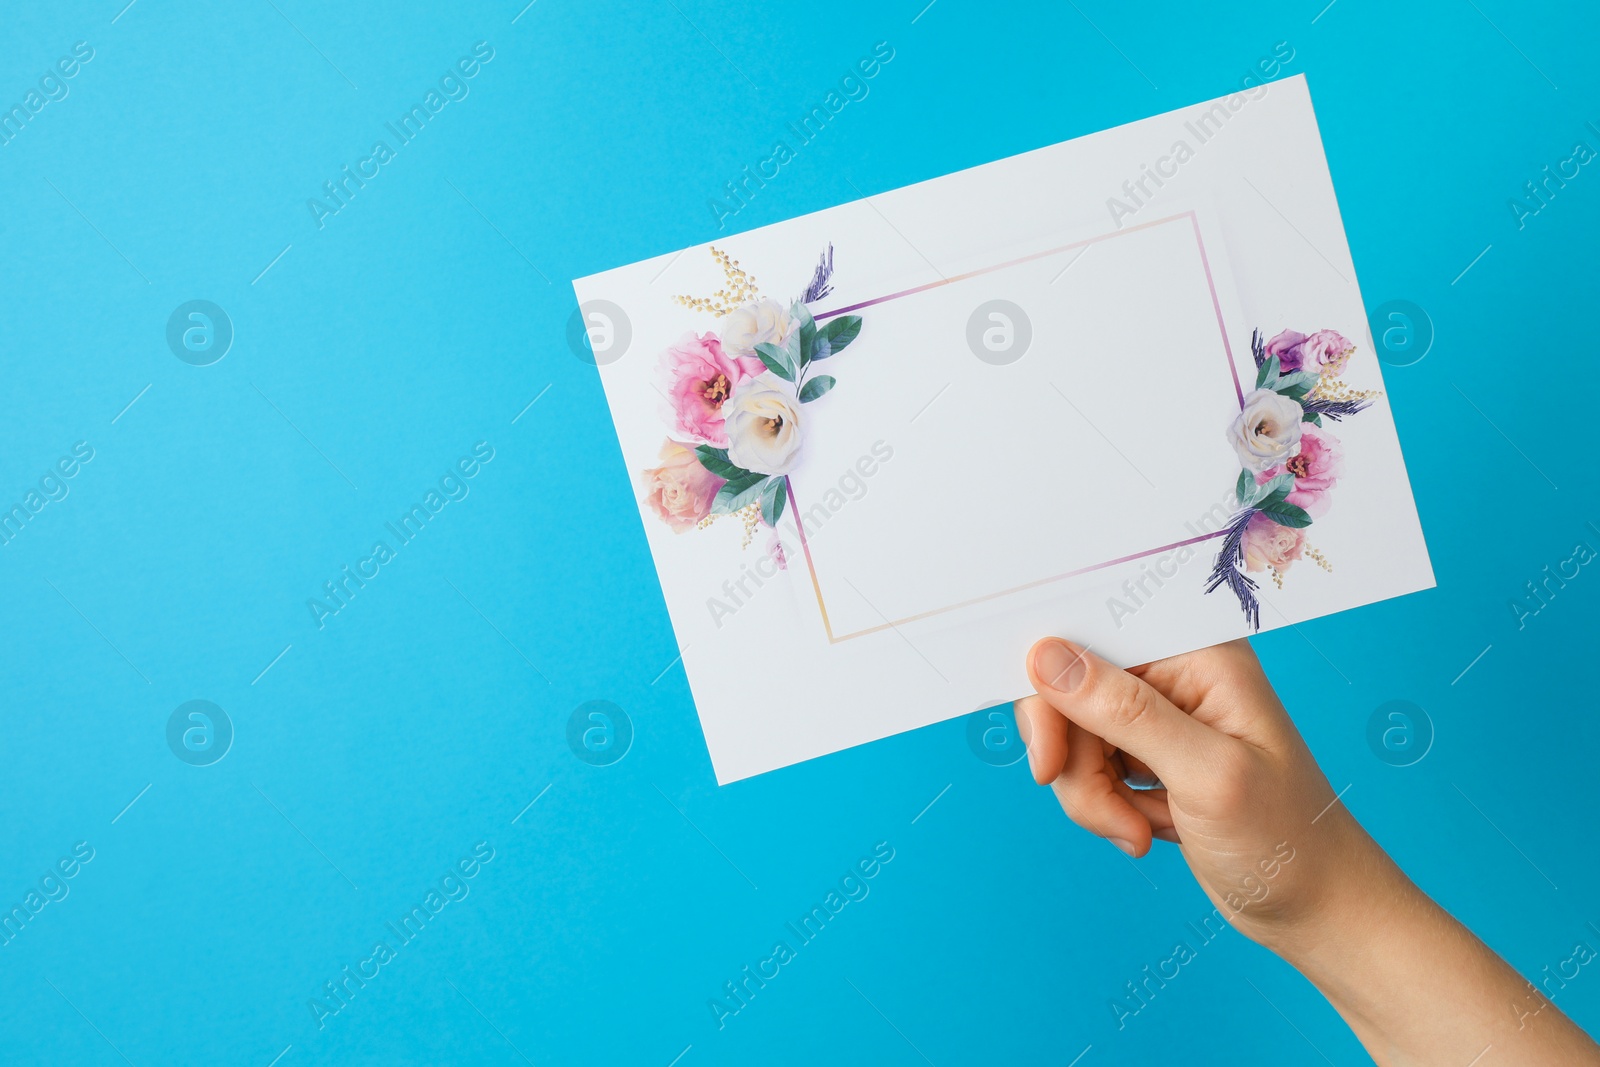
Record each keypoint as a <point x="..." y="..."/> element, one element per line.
<point x="1286" y="346"/>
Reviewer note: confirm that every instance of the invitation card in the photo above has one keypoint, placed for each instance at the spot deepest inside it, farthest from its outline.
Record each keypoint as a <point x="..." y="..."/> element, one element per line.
<point x="1119" y="389"/>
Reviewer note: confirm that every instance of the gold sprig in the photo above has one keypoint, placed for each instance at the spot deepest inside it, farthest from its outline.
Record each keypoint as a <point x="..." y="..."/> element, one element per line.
<point x="751" y="515"/>
<point x="1277" y="576"/>
<point x="1334" y="389"/>
<point x="1321" y="560"/>
<point x="741" y="288"/>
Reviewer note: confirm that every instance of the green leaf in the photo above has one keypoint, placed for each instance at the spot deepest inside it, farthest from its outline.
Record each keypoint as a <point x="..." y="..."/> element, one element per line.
<point x="1311" y="417"/>
<point x="1244" y="487"/>
<point x="820" y="349"/>
<point x="1271" y="490"/>
<point x="1276" y="489"/>
<point x="1273" y="496"/>
<point x="1300" y="379"/>
<point x="816" y="387"/>
<point x="840" y="332"/>
<point x="745" y="489"/>
<point x="1286" y="514"/>
<point x="1268" y="372"/>
<point x="773" y="497"/>
<point x="808" y="330"/>
<point x="1296" y="385"/>
<point x="716" y="461"/>
<point x="776" y="360"/>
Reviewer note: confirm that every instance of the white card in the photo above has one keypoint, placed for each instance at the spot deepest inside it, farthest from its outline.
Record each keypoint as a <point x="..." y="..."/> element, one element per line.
<point x="1009" y="402"/>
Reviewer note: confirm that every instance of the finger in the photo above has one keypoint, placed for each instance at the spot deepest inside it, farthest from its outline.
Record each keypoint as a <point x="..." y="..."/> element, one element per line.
<point x="1188" y="679"/>
<point x="1225" y="687"/>
<point x="1090" y="799"/>
<point x="1044" y="736"/>
<point x="1151" y="803"/>
<point x="1125" y="711"/>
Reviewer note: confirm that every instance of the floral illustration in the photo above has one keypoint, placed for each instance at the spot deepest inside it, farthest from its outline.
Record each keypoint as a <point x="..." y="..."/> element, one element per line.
<point x="700" y="376"/>
<point x="737" y="400"/>
<point x="1290" y="461"/>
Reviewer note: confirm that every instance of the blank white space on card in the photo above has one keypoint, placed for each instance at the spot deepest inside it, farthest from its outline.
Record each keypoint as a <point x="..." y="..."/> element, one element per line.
<point x="1099" y="444"/>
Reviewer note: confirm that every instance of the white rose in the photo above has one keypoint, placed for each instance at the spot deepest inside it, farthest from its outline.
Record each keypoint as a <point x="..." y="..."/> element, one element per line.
<point x="766" y="322"/>
<point x="1267" y="431"/>
<point x="762" y="418"/>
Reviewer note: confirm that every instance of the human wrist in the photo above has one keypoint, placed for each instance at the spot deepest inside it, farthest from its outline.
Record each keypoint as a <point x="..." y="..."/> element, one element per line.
<point x="1379" y="949"/>
<point x="1366" y="935"/>
<point x="1352" y="897"/>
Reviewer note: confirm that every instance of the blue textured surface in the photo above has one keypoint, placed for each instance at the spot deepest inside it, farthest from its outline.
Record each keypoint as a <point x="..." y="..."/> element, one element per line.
<point x="425" y="715"/>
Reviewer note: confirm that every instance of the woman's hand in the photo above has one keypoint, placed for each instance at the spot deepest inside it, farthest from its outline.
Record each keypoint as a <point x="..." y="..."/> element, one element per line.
<point x="1239" y="791"/>
<point x="1198" y="750"/>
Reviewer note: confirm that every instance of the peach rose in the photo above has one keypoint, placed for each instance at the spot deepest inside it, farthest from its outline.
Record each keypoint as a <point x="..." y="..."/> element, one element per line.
<point x="680" y="490"/>
<point x="1266" y="544"/>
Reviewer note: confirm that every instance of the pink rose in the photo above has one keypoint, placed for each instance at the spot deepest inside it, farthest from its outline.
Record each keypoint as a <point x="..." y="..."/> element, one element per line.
<point x="1286" y="346"/>
<point x="680" y="490"/>
<point x="1266" y="544"/>
<point x="699" y="378"/>
<point x="1316" y="469"/>
<point x="1326" y="352"/>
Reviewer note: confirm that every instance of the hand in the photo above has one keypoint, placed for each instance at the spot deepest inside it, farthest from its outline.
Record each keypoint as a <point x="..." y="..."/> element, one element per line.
<point x="1230" y="780"/>
<point x="1239" y="791"/>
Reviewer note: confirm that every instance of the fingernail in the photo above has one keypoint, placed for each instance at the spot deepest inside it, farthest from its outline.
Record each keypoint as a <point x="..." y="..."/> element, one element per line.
<point x="1059" y="666"/>
<point x="1025" y="731"/>
<point x="1126" y="846"/>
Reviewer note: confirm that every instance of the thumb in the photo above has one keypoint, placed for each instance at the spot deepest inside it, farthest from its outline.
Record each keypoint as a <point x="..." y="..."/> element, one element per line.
<point x="1123" y="710"/>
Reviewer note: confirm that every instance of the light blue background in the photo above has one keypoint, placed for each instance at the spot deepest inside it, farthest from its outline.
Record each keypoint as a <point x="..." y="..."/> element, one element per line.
<point x="417" y="322"/>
